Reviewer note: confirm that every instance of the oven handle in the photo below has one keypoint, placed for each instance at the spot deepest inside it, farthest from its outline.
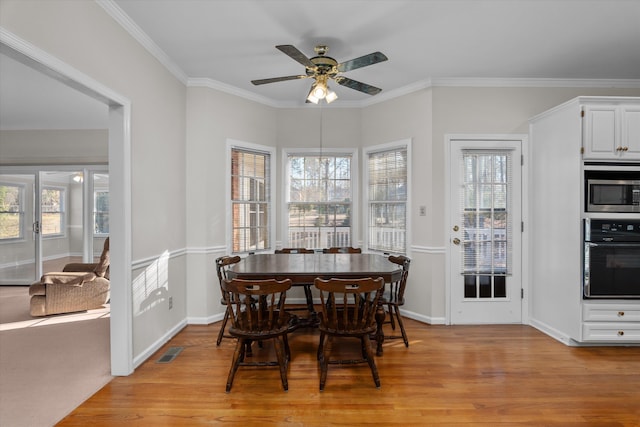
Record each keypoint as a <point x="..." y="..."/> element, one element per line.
<point x="586" y="290"/>
<point x="612" y="244"/>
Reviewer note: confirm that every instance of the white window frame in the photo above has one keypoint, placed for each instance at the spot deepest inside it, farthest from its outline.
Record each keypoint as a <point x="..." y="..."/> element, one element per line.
<point x="248" y="146"/>
<point x="286" y="180"/>
<point x="395" y="145"/>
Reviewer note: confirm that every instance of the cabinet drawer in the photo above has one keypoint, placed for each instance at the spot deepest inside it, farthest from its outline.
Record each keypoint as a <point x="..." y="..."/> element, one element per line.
<point x="610" y="313"/>
<point x="611" y="332"/>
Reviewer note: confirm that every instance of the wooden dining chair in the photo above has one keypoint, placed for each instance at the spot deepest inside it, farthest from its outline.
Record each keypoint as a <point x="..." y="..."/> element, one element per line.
<point x="348" y="311"/>
<point x="223" y="264"/>
<point x="307" y="287"/>
<point x="394" y="298"/>
<point x="256" y="309"/>
<point x="342" y="250"/>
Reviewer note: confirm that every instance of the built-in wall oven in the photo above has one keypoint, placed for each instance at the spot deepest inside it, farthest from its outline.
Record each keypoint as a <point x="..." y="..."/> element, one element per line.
<point x="612" y="258"/>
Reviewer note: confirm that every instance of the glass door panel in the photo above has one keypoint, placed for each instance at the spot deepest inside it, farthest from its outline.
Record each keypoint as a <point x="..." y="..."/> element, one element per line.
<point x="18" y="242"/>
<point x="100" y="212"/>
<point x="61" y="195"/>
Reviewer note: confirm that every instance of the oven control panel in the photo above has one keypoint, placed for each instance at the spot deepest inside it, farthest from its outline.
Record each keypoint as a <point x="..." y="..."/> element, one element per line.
<point x="612" y="230"/>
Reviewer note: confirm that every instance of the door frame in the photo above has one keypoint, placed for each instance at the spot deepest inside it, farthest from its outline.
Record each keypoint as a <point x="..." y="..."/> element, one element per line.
<point x="524" y="140"/>
<point x="119" y="140"/>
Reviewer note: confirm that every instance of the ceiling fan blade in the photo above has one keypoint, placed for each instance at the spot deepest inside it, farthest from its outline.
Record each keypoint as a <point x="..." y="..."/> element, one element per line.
<point x="354" y="84"/>
<point x="294" y="53"/>
<point x="277" y="79"/>
<point x="363" y="61"/>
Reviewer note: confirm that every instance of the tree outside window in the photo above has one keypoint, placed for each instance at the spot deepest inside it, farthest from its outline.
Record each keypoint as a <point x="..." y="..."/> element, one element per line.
<point x="53" y="210"/>
<point x="11" y="211"/>
<point x="319" y="200"/>
<point x="101" y="212"/>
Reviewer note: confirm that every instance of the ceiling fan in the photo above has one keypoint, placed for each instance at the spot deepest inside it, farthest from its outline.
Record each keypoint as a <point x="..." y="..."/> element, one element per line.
<point x="323" y="68"/>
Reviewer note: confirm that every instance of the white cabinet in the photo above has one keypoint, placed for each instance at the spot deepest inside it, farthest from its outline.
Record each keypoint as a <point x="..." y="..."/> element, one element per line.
<point x="611" y="132"/>
<point x="611" y="322"/>
<point x="597" y="126"/>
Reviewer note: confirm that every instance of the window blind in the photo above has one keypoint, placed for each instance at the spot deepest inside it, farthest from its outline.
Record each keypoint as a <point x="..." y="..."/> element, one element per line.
<point x="485" y="208"/>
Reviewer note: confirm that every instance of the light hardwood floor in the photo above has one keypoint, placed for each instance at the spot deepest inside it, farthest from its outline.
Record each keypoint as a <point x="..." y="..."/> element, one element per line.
<point x="450" y="375"/>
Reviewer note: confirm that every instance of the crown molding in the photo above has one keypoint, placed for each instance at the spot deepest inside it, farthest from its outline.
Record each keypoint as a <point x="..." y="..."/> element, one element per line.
<point x="232" y="90"/>
<point x="540" y="82"/>
<point x="141" y="37"/>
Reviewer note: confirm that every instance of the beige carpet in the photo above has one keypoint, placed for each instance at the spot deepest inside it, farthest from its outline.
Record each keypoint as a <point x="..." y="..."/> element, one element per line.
<point x="48" y="366"/>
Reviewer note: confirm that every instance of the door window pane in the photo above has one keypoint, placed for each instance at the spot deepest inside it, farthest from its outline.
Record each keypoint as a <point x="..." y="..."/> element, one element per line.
<point x="486" y="223"/>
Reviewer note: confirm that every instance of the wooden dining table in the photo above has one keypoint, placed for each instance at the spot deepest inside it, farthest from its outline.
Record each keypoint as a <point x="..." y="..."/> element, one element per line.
<point x="302" y="269"/>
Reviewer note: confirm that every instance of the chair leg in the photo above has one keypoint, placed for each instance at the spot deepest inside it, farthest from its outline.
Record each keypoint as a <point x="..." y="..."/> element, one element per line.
<point x="309" y="297"/>
<point x="223" y="327"/>
<point x="238" y="355"/>
<point x="324" y="363"/>
<point x="287" y="350"/>
<point x="404" y="333"/>
<point x="366" y="343"/>
<point x="391" y="319"/>
<point x="320" y="346"/>
<point x="282" y="361"/>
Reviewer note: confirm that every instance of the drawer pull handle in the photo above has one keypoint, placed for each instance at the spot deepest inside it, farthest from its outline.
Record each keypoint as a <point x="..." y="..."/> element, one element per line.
<point x="620" y="313"/>
<point x="620" y="333"/>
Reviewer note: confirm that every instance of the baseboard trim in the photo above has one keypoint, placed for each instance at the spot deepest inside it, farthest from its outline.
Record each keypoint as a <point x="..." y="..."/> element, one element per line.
<point x="142" y="357"/>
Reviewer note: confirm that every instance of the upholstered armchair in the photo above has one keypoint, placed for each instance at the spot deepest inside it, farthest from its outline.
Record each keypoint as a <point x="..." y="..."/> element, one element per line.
<point x="78" y="287"/>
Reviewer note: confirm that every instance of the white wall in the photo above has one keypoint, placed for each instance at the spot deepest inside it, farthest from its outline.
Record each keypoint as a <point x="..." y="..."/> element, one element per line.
<point x="214" y="117"/>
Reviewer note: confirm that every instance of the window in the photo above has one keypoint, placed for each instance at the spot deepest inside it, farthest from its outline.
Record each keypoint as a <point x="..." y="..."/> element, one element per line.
<point x="101" y="212"/>
<point x="250" y="200"/>
<point x="387" y="198"/>
<point x="53" y="211"/>
<point x="486" y="222"/>
<point x="11" y="211"/>
<point x="319" y="200"/>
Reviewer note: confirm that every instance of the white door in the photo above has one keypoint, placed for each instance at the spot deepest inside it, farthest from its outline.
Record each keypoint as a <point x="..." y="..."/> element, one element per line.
<point x="485" y="231"/>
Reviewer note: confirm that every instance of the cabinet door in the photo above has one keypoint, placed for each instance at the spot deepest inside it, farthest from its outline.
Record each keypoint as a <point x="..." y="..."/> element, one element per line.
<point x="600" y="132"/>
<point x="631" y="131"/>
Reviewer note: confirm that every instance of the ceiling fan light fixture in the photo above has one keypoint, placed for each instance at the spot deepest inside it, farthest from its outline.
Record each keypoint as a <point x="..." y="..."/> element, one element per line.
<point x="320" y="90"/>
<point x="331" y="96"/>
<point x="311" y="97"/>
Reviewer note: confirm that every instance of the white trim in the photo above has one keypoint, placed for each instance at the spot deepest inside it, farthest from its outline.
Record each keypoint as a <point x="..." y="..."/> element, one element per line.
<point x="433" y="250"/>
<point x="232" y="90"/>
<point x="233" y="143"/>
<point x="552" y="332"/>
<point x="531" y="82"/>
<point x="155" y="346"/>
<point x="119" y="186"/>
<point x="422" y="318"/>
<point x="141" y="37"/>
<point x="395" y="145"/>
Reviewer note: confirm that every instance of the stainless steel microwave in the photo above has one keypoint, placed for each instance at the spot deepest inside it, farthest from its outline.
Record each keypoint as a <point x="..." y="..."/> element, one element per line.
<point x="612" y="194"/>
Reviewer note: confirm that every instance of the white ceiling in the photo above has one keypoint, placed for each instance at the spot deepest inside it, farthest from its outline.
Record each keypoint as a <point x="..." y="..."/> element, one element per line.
<point x="225" y="44"/>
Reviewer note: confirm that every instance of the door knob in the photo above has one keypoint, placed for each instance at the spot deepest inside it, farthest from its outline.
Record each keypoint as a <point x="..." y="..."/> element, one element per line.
<point x="456" y="241"/>
<point x="456" y="228"/>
